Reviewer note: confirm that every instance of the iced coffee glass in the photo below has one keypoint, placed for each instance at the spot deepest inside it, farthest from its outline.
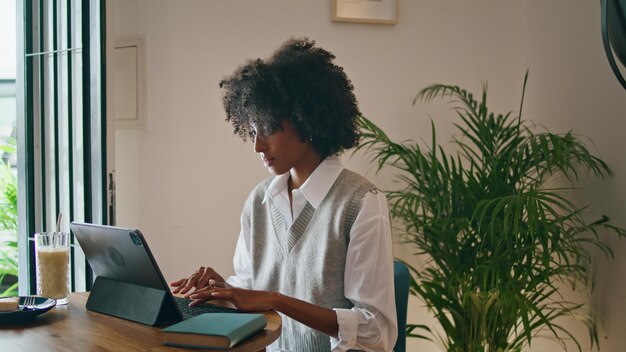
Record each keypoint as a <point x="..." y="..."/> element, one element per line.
<point x="53" y="264"/>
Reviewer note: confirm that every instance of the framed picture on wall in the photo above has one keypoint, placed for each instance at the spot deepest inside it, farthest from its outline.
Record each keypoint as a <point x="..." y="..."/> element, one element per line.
<point x="365" y="11"/>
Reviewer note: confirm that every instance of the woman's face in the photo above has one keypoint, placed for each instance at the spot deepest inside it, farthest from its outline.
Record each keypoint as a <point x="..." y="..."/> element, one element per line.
<point x="283" y="150"/>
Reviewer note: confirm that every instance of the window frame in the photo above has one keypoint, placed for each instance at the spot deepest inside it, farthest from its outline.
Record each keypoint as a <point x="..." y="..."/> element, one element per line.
<point x="61" y="95"/>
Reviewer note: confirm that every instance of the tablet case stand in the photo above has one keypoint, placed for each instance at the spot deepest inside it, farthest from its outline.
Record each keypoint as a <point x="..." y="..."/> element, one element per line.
<point x="141" y="304"/>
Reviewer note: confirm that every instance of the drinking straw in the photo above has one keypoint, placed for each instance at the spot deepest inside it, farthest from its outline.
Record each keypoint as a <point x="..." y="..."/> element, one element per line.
<point x="54" y="243"/>
<point x="59" y="222"/>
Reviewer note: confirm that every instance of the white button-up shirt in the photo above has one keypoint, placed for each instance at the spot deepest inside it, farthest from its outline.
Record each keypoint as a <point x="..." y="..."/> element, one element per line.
<point x="368" y="280"/>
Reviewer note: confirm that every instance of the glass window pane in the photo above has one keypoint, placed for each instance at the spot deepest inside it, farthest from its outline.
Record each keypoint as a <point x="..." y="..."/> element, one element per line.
<point x="49" y="147"/>
<point x="8" y="43"/>
<point x="55" y="95"/>
<point x="77" y="171"/>
<point x="7" y="115"/>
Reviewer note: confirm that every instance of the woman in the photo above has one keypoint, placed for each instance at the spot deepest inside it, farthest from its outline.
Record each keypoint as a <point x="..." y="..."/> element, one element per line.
<point x="315" y="241"/>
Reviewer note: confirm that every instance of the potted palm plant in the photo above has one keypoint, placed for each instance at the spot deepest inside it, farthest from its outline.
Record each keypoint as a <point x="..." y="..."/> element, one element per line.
<point x="498" y="241"/>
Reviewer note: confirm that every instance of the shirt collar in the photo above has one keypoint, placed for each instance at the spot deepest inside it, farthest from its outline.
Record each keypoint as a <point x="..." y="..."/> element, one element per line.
<point x="315" y="187"/>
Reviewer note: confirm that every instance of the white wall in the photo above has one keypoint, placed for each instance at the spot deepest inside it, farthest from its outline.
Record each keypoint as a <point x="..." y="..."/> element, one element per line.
<point x="184" y="178"/>
<point x="572" y="88"/>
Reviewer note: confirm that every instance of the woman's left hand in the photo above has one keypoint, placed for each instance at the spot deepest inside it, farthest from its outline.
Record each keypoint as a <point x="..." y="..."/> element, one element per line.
<point x="243" y="299"/>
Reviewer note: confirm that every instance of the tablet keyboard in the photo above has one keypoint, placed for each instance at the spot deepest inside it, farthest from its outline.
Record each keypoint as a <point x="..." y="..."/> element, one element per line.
<point x="183" y="305"/>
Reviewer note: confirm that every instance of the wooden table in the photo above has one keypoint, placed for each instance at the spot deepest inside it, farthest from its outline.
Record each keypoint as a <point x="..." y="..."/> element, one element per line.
<point x="73" y="328"/>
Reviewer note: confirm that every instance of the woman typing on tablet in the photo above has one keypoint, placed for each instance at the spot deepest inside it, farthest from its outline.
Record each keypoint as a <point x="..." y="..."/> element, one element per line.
<point x="315" y="241"/>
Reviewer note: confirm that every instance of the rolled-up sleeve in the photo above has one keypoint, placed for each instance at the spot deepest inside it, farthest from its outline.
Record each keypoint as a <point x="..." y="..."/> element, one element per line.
<point x="371" y="324"/>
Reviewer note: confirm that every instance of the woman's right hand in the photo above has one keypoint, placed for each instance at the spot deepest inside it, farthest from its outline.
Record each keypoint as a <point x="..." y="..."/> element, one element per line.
<point x="201" y="278"/>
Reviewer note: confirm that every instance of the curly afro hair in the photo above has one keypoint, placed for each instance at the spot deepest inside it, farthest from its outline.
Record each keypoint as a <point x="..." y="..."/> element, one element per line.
<point x="300" y="83"/>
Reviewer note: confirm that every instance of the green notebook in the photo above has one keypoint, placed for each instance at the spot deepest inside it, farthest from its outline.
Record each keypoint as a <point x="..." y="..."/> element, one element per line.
<point x="214" y="330"/>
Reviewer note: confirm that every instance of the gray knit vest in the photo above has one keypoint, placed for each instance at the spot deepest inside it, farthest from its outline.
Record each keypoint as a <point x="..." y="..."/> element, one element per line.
<point x="306" y="261"/>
